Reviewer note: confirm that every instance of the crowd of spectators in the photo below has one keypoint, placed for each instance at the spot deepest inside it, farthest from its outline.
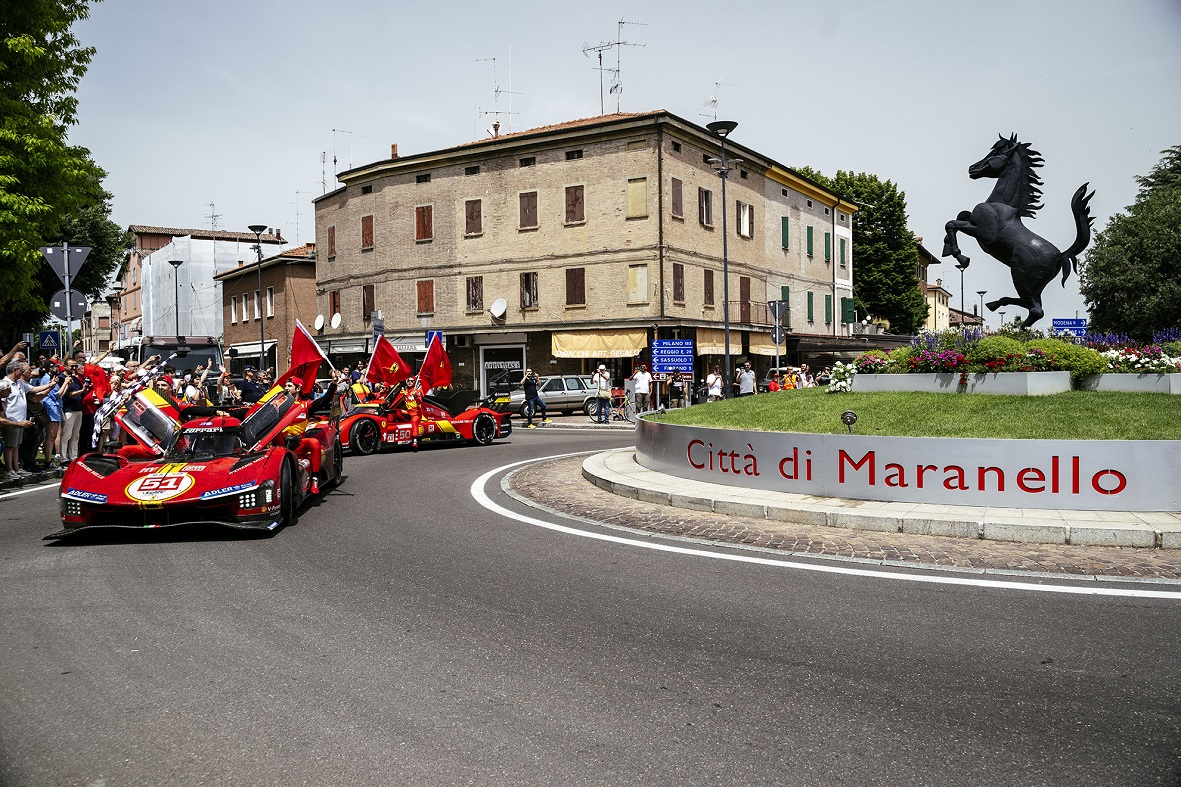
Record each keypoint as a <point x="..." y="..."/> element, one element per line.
<point x="48" y="404"/>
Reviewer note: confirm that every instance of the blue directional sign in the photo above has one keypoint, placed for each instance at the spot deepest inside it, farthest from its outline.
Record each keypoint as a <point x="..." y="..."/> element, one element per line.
<point x="430" y="337"/>
<point x="49" y="340"/>
<point x="672" y="355"/>
<point x="1075" y="327"/>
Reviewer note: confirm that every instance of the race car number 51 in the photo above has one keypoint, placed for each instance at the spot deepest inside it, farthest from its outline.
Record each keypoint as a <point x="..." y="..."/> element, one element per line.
<point x="159" y="487"/>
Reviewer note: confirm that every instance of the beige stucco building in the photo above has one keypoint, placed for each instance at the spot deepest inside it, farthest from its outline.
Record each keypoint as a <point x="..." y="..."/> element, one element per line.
<point x="570" y="245"/>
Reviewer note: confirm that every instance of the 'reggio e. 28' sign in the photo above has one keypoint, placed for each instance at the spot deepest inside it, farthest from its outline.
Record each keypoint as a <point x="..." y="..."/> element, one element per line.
<point x="1113" y="475"/>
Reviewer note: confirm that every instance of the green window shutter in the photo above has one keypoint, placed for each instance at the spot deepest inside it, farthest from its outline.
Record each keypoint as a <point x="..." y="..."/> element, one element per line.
<point x="843" y="242"/>
<point x="784" y="227"/>
<point x="811" y="306"/>
<point x="828" y="309"/>
<point x="785" y="293"/>
<point x="847" y="313"/>
<point x="827" y="246"/>
<point x="809" y="241"/>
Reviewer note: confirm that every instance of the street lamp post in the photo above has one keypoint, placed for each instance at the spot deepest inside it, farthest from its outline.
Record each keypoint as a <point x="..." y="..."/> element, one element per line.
<point x="981" y="294"/>
<point x="963" y="305"/>
<point x="723" y="128"/>
<point x="1002" y="314"/>
<point x="176" y="290"/>
<point x="258" y="230"/>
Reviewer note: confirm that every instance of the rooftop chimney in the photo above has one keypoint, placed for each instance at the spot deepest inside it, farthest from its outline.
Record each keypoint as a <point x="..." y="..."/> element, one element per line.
<point x="394" y="150"/>
<point x="496" y="128"/>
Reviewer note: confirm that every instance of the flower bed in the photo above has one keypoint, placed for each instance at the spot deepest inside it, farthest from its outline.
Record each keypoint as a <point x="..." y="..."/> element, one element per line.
<point x="1005" y="383"/>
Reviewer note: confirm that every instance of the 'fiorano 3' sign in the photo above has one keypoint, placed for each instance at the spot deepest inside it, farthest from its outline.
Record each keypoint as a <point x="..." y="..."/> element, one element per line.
<point x="1140" y="475"/>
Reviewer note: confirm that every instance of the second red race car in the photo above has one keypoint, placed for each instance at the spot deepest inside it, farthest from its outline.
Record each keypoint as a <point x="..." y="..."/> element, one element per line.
<point x="366" y="427"/>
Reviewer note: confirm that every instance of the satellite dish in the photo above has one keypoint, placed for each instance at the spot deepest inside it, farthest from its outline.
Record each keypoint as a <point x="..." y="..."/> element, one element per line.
<point x="499" y="307"/>
<point x="319" y="323"/>
<point x="336" y="320"/>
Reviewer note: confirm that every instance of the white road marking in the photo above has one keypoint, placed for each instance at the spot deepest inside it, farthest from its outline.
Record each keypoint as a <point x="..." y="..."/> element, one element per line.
<point x="7" y="495"/>
<point x="478" y="493"/>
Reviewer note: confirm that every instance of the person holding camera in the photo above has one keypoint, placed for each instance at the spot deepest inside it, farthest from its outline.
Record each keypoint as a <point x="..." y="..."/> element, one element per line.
<point x="533" y="399"/>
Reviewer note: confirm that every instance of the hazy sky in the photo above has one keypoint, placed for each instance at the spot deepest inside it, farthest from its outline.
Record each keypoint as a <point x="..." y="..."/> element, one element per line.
<point x="233" y="104"/>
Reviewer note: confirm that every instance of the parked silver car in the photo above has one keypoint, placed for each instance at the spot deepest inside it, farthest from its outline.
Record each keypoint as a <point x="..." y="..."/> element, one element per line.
<point x="566" y="393"/>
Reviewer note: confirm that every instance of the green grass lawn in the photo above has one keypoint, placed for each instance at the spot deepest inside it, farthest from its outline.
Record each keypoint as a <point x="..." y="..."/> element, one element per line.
<point x="1078" y="415"/>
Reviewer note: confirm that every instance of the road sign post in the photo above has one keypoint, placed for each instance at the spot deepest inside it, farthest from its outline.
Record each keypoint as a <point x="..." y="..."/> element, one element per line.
<point x="1074" y="327"/>
<point x="66" y="262"/>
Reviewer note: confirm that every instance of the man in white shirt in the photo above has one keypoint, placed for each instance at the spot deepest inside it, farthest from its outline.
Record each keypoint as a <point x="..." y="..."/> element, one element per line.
<point x="643" y="381"/>
<point x="16" y="412"/>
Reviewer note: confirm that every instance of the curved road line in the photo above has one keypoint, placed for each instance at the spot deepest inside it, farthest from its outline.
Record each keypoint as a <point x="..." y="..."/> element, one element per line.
<point x="477" y="492"/>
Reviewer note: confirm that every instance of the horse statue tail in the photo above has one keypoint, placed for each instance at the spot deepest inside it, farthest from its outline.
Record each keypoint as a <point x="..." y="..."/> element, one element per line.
<point x="1080" y="206"/>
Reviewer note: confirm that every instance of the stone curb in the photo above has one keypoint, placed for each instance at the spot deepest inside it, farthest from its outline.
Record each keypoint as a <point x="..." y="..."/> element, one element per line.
<point x="618" y="472"/>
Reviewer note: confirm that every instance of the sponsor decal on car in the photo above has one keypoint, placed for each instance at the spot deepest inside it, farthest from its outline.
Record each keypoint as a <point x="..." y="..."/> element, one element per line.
<point x="244" y="466"/>
<point x="159" y="486"/>
<point x="229" y="490"/>
<point x="82" y="494"/>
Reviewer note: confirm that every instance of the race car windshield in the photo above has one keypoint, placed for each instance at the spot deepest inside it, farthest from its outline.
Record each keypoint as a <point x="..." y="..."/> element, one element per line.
<point x="207" y="444"/>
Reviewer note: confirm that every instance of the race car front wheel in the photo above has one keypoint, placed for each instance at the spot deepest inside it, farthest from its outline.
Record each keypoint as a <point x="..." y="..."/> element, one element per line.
<point x="364" y="437"/>
<point x="484" y="429"/>
<point x="337" y="464"/>
<point x="286" y="495"/>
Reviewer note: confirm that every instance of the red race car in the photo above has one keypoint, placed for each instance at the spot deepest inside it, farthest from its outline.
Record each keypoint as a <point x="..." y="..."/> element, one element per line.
<point x="442" y="417"/>
<point x="253" y="473"/>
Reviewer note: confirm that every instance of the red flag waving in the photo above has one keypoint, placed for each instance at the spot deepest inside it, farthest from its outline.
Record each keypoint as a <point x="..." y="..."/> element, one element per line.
<point x="99" y="382"/>
<point x="385" y="365"/>
<point x="306" y="357"/>
<point x="436" y="367"/>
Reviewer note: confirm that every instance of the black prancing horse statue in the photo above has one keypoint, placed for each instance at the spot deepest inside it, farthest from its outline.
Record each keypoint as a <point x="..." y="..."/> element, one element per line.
<point x="996" y="226"/>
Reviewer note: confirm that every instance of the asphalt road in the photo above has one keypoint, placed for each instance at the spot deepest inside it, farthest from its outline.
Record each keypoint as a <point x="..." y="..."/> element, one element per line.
<point x="399" y="633"/>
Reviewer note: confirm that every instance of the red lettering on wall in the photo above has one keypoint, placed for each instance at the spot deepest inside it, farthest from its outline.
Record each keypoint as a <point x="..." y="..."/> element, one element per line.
<point x="957" y="476"/>
<point x="1031" y="474"/>
<point x="921" y="471"/>
<point x="843" y="457"/>
<point x="981" y="482"/>
<point x="1121" y="482"/>
<point x="895" y="475"/>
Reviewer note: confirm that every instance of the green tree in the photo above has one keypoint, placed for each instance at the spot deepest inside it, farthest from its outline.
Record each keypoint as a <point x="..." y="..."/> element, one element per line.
<point x="885" y="256"/>
<point x="1128" y="277"/>
<point x="49" y="189"/>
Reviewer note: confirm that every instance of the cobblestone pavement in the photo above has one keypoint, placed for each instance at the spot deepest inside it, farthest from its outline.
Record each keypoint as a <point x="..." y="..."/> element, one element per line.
<point x="559" y="485"/>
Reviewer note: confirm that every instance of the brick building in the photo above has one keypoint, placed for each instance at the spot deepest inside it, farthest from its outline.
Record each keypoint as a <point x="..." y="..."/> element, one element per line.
<point x="569" y="245"/>
<point x="288" y="294"/>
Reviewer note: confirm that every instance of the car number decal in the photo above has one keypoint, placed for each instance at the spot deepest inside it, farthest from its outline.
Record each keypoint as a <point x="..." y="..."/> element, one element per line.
<point x="159" y="486"/>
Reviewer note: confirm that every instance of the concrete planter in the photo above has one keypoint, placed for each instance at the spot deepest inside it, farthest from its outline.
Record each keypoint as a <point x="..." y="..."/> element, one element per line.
<point x="1134" y="383"/>
<point x="1008" y="383"/>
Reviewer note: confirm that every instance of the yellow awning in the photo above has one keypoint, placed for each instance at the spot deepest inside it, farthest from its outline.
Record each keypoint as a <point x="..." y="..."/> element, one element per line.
<point x="712" y="341"/>
<point x="598" y="344"/>
<point x="761" y="344"/>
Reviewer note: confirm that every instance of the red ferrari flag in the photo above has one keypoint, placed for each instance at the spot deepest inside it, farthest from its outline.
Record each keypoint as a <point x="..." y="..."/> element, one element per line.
<point x="436" y="367"/>
<point x="99" y="382"/>
<point x="306" y="357"/>
<point x="385" y="365"/>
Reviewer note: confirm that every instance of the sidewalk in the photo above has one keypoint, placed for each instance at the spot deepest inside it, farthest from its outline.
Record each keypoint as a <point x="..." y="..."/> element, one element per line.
<point x="610" y="489"/>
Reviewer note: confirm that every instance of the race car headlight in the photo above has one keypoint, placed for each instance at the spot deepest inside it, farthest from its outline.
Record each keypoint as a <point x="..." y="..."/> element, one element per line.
<point x="71" y="507"/>
<point x="268" y="492"/>
<point x="248" y="499"/>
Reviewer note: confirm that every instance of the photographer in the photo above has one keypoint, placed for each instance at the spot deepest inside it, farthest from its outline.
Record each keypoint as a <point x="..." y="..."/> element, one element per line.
<point x="533" y="399"/>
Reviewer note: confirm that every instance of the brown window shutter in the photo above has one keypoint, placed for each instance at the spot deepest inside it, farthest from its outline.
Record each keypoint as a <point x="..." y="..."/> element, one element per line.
<point x="678" y="282"/>
<point x="709" y="288"/>
<point x="678" y="206"/>
<point x="332" y="241"/>
<point x="367" y="301"/>
<point x="529" y="209"/>
<point x="366" y="232"/>
<point x="575" y="286"/>
<point x="426" y="296"/>
<point x="475" y="293"/>
<point x="473" y="216"/>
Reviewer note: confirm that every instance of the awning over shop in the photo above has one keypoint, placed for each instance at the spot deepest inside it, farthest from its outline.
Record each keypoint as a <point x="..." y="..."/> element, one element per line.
<point x="598" y="344"/>
<point x="355" y="345"/>
<point x="250" y="348"/>
<point x="410" y="343"/>
<point x="712" y="341"/>
<point x="761" y="344"/>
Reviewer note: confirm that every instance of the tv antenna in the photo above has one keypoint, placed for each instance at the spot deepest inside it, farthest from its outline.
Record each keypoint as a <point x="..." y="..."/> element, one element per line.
<point x="712" y="103"/>
<point x="213" y="217"/>
<point x="496" y="111"/>
<point x="336" y="131"/>
<point x="323" y="171"/>
<point x="617" y="72"/>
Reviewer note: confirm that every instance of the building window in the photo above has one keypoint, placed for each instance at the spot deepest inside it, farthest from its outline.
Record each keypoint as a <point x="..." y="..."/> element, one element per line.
<point x="811" y="306"/>
<point x="426" y="178"/>
<point x="575" y="210"/>
<point x="828" y="309"/>
<point x="809" y="243"/>
<point x="784" y="232"/>
<point x="334" y="302"/>
<point x="473" y="217"/>
<point x="705" y="207"/>
<point x="676" y="147"/>
<point x="843" y="242"/>
<point x="784" y="192"/>
<point x="746" y="220"/>
<point x="331" y="242"/>
<point x="366" y="189"/>
<point x="368" y="302"/>
<point x="576" y="286"/>
<point x="827" y="246"/>
<point x="809" y="203"/>
<point x="529" y="290"/>
<point x="637" y="283"/>
<point x="840" y="217"/>
<point x="475" y="293"/>
<point x="366" y="232"/>
<point x="426" y="296"/>
<point x="245" y="307"/>
<point x="529" y="161"/>
<point x="709" y="288"/>
<point x="678" y="199"/>
<point x="233" y="309"/>
<point x="678" y="283"/>
<point x="528" y="210"/>
<point x="637" y="198"/>
<point x="424" y="225"/>
<point x="473" y="170"/>
<point x="571" y="155"/>
<point x="742" y="174"/>
<point x="270" y="302"/>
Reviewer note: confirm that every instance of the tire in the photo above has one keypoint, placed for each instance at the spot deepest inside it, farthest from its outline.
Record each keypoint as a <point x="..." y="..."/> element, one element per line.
<point x="629" y="411"/>
<point x="591" y="408"/>
<point x="337" y="465"/>
<point x="523" y="411"/>
<point x="364" y="437"/>
<point x="287" y="504"/>
<point x="484" y="429"/>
